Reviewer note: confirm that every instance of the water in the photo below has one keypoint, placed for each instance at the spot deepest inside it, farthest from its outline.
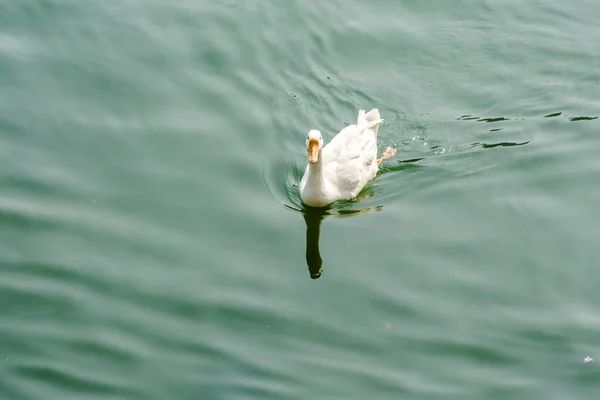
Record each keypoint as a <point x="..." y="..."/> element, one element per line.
<point x="153" y="245"/>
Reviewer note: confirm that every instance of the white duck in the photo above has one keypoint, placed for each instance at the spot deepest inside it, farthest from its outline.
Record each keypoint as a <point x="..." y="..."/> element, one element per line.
<point x="341" y="169"/>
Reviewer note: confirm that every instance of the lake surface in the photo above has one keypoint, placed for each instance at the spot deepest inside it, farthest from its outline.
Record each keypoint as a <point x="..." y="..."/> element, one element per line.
<point x="153" y="244"/>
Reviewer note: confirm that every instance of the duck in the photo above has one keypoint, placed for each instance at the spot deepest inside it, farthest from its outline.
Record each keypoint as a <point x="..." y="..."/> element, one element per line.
<point x="342" y="168"/>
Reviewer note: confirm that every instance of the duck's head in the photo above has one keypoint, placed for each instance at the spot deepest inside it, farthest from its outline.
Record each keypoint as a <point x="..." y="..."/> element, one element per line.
<point x="314" y="142"/>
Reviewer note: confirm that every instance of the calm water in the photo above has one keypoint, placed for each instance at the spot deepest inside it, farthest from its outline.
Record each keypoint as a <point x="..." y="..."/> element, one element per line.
<point x="153" y="245"/>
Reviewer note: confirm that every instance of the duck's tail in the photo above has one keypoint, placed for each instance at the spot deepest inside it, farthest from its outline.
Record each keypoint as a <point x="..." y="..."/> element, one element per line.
<point x="370" y="120"/>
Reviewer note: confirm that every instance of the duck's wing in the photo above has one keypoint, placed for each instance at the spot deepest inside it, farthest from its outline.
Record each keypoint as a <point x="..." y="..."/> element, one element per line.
<point x="350" y="159"/>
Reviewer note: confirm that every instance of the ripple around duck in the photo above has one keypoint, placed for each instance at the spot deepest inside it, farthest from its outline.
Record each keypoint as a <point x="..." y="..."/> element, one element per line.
<point x="418" y="149"/>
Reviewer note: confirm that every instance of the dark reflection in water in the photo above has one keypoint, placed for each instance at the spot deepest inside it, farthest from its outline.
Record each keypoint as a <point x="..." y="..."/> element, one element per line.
<point x="468" y="117"/>
<point x="493" y="119"/>
<point x="502" y="144"/>
<point x="313" y="218"/>
<point x="582" y="118"/>
<point x="556" y="114"/>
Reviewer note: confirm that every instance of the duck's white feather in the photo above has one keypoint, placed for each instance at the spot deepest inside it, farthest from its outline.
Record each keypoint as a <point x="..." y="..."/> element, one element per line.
<point x="345" y="165"/>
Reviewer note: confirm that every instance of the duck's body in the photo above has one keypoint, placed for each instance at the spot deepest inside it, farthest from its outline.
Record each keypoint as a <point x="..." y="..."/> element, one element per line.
<point x="343" y="167"/>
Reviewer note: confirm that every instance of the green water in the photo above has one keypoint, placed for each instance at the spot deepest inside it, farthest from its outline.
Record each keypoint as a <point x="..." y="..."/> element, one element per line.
<point x="153" y="245"/>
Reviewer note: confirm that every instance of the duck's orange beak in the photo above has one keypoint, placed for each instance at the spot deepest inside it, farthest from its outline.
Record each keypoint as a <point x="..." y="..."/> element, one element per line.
<point x="313" y="150"/>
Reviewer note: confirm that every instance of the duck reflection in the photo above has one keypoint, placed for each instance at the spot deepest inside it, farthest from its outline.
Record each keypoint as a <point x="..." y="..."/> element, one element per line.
<point x="314" y="218"/>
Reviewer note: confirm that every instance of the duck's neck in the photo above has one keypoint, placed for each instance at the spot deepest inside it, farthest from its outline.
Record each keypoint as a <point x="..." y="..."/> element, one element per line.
<point x="315" y="174"/>
<point x="314" y="192"/>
